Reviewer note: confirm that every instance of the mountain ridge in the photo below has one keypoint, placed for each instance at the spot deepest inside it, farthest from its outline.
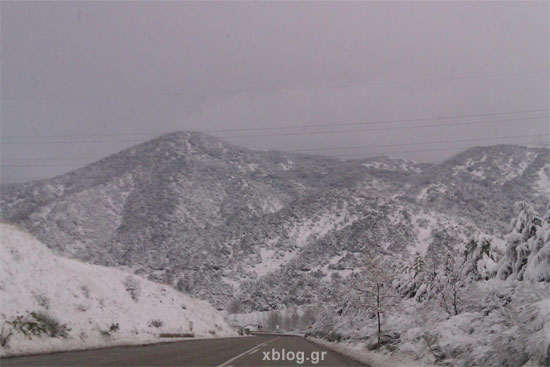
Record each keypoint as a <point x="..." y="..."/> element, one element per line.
<point x="213" y="218"/>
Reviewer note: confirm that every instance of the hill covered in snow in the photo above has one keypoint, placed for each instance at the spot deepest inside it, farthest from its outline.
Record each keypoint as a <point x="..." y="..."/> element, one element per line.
<point x="49" y="303"/>
<point x="261" y="229"/>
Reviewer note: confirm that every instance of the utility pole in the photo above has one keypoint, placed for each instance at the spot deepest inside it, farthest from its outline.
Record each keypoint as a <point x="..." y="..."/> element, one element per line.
<point x="378" y="310"/>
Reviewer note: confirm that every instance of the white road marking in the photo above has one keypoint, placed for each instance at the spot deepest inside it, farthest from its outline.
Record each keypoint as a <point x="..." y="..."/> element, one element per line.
<point x="254" y="351"/>
<point x="226" y="363"/>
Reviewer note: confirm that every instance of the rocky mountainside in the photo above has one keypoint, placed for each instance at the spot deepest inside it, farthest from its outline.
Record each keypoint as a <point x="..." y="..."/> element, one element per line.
<point x="264" y="227"/>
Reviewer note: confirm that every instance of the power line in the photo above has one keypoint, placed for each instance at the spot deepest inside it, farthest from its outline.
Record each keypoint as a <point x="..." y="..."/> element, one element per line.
<point x="375" y="122"/>
<point x="422" y="143"/>
<point x="29" y="179"/>
<point x="539" y="135"/>
<point x="293" y="133"/>
<point x="389" y="128"/>
<point x="339" y="148"/>
<point x="405" y="151"/>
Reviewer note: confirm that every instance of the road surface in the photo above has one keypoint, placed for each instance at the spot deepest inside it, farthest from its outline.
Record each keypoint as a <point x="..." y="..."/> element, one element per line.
<point x="264" y="350"/>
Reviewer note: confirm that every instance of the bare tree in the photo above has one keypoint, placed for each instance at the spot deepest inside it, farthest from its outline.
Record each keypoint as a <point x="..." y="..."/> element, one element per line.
<point x="375" y="291"/>
<point x="451" y="283"/>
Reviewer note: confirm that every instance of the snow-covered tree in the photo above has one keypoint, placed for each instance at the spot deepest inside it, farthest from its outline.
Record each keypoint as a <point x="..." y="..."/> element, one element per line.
<point x="451" y="284"/>
<point x="481" y="257"/>
<point x="374" y="289"/>
<point x="527" y="247"/>
<point x="415" y="278"/>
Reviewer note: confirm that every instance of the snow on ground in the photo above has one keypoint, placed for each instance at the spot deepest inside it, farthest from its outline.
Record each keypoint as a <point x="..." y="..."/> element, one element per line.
<point x="377" y="165"/>
<point x="423" y="195"/>
<point x="501" y="323"/>
<point x="509" y="167"/>
<point x="514" y="169"/>
<point x="423" y="225"/>
<point x="271" y="261"/>
<point x="478" y="171"/>
<point x="287" y="166"/>
<point x="255" y="318"/>
<point x="233" y="283"/>
<point x="270" y="204"/>
<point x="252" y="167"/>
<point x="319" y="225"/>
<point x="328" y="271"/>
<point x="357" y="351"/>
<point x="425" y="192"/>
<point x="424" y="222"/>
<point x="543" y="182"/>
<point x="300" y="234"/>
<point x="99" y="306"/>
<point x="394" y="164"/>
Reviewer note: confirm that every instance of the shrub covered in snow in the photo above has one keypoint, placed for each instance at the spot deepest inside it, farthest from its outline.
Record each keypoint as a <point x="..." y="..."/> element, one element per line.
<point x="528" y="247"/>
<point x="486" y="306"/>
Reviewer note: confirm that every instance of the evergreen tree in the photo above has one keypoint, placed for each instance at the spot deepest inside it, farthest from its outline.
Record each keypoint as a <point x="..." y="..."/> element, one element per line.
<point x="527" y="247"/>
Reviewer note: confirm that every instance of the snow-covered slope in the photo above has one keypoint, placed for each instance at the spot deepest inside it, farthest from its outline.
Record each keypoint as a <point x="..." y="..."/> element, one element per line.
<point x="483" y="183"/>
<point x="216" y="220"/>
<point x="86" y="305"/>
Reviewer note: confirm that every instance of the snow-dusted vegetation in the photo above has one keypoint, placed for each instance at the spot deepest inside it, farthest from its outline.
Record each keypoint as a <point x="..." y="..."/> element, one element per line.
<point x="485" y="306"/>
<point x="226" y="223"/>
<point x="296" y="240"/>
<point x="51" y="303"/>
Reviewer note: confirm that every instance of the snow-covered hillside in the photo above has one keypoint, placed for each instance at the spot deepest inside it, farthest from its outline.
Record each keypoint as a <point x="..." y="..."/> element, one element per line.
<point x="221" y="222"/>
<point x="64" y="304"/>
<point x="488" y="305"/>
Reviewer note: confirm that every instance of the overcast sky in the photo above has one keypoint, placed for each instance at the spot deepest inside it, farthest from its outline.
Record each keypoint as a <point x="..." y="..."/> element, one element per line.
<point x="82" y="80"/>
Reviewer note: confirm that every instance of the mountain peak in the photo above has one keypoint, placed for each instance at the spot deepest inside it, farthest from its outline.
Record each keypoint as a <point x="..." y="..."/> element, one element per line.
<point x="175" y="207"/>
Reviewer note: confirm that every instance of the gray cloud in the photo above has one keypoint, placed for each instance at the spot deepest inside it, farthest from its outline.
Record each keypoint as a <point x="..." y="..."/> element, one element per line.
<point x="114" y="68"/>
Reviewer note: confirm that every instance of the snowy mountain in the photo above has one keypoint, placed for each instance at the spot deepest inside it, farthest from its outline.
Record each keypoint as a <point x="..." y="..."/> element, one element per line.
<point x="53" y="303"/>
<point x="269" y="228"/>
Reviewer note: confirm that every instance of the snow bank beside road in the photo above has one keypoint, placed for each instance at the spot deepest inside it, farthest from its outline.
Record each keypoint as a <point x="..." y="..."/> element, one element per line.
<point x="50" y="303"/>
<point x="504" y="323"/>
<point x="358" y="351"/>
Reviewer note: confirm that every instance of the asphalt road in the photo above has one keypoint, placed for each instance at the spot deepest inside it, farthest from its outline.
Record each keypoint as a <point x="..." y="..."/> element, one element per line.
<point x="265" y="350"/>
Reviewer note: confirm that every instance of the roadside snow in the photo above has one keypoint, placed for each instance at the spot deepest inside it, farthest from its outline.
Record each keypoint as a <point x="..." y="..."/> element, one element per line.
<point x="502" y="323"/>
<point x="357" y="351"/>
<point x="100" y="306"/>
